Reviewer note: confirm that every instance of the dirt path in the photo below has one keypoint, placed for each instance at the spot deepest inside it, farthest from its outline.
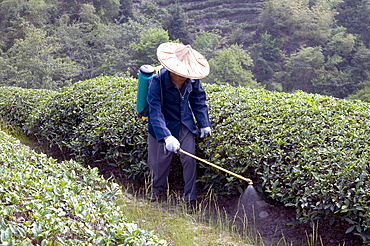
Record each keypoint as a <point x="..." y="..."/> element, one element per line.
<point x="271" y="224"/>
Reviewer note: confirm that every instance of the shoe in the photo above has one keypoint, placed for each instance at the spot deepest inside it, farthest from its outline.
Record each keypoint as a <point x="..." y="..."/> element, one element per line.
<point x="154" y="195"/>
<point x="190" y="206"/>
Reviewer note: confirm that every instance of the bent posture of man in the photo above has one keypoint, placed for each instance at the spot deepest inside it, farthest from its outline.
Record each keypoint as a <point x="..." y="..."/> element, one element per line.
<point x="177" y="114"/>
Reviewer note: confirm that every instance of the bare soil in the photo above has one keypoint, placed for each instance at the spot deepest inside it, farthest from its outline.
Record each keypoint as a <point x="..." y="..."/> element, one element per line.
<point x="273" y="224"/>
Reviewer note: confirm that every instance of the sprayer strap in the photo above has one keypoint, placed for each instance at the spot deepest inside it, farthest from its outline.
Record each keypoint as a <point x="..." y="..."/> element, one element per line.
<point x="160" y="86"/>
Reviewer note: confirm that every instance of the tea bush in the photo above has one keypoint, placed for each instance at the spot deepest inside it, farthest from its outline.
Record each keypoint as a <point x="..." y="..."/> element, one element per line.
<point x="95" y="121"/>
<point x="114" y="135"/>
<point x="55" y="120"/>
<point x="310" y="152"/>
<point x="45" y="202"/>
<point x="17" y="103"/>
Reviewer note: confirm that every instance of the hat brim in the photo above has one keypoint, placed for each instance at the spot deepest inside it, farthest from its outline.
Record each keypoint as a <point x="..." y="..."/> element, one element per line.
<point x="193" y="66"/>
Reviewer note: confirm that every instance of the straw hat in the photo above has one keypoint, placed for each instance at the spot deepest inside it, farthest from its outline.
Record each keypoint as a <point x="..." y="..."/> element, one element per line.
<point x="183" y="60"/>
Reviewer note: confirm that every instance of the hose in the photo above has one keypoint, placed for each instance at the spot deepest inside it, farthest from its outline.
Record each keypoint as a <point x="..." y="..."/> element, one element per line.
<point x="249" y="181"/>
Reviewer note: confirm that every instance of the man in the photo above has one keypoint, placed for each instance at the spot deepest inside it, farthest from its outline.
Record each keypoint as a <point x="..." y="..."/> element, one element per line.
<point x="175" y="98"/>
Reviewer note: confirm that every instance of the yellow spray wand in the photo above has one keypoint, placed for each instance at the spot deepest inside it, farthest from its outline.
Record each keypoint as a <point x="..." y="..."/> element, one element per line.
<point x="220" y="168"/>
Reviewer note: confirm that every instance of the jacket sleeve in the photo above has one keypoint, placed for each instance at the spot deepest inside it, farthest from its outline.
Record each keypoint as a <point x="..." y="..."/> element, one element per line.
<point x="198" y="105"/>
<point x="155" y="117"/>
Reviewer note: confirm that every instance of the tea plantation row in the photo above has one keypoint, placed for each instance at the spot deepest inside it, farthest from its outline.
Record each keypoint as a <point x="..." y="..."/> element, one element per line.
<point x="306" y="151"/>
<point x="45" y="202"/>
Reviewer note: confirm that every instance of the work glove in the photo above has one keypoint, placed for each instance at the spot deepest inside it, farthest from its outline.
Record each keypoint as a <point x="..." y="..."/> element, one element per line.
<point x="172" y="144"/>
<point x="205" y="131"/>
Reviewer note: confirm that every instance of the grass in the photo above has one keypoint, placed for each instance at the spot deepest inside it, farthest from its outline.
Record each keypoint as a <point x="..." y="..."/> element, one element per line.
<point x="208" y="225"/>
<point x="170" y="221"/>
<point x="20" y="135"/>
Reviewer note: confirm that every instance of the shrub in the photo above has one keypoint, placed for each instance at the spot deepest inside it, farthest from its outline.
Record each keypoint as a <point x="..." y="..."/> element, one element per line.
<point x="116" y="137"/>
<point x="55" y="120"/>
<point x="44" y="202"/>
<point x="308" y="151"/>
<point x="95" y="121"/>
<point x="17" y="103"/>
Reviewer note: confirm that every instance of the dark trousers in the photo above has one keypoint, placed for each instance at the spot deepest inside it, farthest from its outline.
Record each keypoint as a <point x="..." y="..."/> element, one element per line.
<point x="159" y="161"/>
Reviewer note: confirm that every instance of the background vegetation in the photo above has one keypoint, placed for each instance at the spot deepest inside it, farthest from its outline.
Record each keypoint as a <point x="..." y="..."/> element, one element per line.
<point x="316" y="46"/>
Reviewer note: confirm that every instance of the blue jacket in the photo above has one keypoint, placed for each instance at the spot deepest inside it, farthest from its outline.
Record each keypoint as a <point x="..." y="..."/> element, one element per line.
<point x="177" y="108"/>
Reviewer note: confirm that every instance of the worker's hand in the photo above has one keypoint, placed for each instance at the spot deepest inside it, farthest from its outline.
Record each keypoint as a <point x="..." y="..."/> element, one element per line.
<point x="172" y="144"/>
<point x="205" y="131"/>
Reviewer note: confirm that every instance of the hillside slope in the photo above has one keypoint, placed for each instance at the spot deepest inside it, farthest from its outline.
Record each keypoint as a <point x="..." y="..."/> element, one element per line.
<point x="226" y="15"/>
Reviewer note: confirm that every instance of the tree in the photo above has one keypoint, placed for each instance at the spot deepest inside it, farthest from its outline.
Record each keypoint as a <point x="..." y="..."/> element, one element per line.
<point x="101" y="49"/>
<point x="13" y="14"/>
<point x="34" y="62"/>
<point x="76" y="43"/>
<point x="313" y="72"/>
<point x="110" y="52"/>
<point x="145" y="51"/>
<point x="304" y="69"/>
<point x="87" y="14"/>
<point x="298" y="22"/>
<point x="230" y="66"/>
<point x="207" y="43"/>
<point x="36" y="12"/>
<point x="319" y="53"/>
<point x="125" y="11"/>
<point x="267" y="58"/>
<point x="355" y="16"/>
<point x="361" y="64"/>
<point x="151" y="12"/>
<point x="107" y="9"/>
<point x="340" y="43"/>
<point x="177" y="24"/>
<point x="363" y="94"/>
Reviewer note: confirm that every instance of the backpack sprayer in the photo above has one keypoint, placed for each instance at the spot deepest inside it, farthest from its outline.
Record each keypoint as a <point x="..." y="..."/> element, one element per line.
<point x="145" y="74"/>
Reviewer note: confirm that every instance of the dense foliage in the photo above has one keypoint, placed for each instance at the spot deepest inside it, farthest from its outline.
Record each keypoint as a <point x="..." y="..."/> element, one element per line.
<point x="94" y="121"/>
<point x="316" y="54"/>
<point x="316" y="46"/>
<point x="45" y="202"/>
<point x="306" y="151"/>
<point x="16" y="104"/>
<point x="309" y="151"/>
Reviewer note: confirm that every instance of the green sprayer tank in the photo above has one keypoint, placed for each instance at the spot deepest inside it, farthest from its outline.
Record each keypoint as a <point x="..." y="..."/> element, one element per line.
<point x="144" y="75"/>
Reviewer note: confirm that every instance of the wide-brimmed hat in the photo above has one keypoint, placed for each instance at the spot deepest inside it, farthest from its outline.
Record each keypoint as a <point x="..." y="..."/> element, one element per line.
<point x="183" y="60"/>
